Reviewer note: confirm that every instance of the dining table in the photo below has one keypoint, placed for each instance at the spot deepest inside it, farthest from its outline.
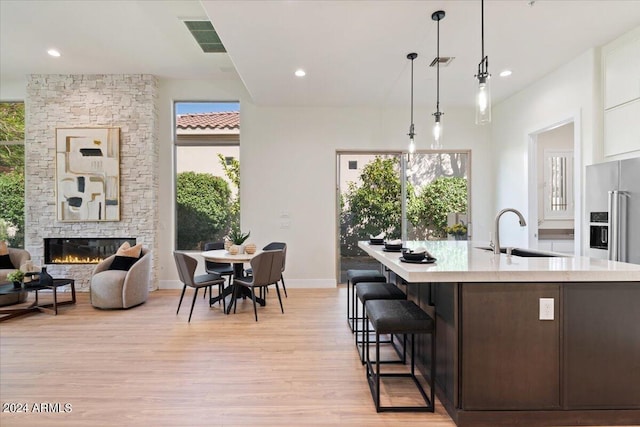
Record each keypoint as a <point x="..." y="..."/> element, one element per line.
<point x="238" y="261"/>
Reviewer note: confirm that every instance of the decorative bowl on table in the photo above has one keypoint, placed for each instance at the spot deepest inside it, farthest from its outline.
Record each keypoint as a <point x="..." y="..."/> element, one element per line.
<point x="376" y="241"/>
<point x="234" y="249"/>
<point x="250" y="248"/>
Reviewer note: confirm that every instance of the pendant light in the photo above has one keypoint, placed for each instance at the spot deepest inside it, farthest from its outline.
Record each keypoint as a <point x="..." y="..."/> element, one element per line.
<point x="437" y="126"/>
<point x="412" y="144"/>
<point x="483" y="94"/>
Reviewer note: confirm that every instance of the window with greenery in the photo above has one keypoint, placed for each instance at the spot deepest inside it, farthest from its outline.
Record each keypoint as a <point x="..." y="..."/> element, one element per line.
<point x="12" y="173"/>
<point x="439" y="194"/>
<point x="437" y="197"/>
<point x="207" y="172"/>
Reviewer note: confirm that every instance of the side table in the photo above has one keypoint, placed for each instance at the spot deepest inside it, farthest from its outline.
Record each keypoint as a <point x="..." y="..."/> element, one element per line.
<point x="49" y="308"/>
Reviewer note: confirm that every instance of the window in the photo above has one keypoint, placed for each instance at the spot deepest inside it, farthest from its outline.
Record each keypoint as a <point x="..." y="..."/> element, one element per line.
<point x="12" y="173"/>
<point x="207" y="172"/>
<point x="558" y="184"/>
<point x="370" y="200"/>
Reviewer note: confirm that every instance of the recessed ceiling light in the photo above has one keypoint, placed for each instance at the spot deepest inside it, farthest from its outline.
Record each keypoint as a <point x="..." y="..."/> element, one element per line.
<point x="53" y="52"/>
<point x="300" y="73"/>
<point x="505" y="73"/>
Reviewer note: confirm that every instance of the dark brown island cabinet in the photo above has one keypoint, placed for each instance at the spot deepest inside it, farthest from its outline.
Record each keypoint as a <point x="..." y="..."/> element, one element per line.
<point x="511" y="351"/>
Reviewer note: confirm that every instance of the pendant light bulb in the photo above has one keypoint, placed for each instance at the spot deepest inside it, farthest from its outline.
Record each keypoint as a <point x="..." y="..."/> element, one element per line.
<point x="412" y="146"/>
<point x="437" y="130"/>
<point x="483" y="102"/>
<point x="483" y="97"/>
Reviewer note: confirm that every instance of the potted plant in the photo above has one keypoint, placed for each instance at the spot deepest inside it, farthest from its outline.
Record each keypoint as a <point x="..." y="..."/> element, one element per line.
<point x="16" y="276"/>
<point x="458" y="231"/>
<point x="237" y="239"/>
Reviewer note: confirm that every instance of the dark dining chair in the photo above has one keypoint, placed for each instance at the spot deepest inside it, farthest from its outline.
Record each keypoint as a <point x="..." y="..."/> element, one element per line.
<point x="277" y="246"/>
<point x="267" y="270"/>
<point x="186" y="270"/>
<point x="221" y="268"/>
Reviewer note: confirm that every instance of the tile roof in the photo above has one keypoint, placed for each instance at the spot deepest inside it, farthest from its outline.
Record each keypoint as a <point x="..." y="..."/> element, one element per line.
<point x="221" y="120"/>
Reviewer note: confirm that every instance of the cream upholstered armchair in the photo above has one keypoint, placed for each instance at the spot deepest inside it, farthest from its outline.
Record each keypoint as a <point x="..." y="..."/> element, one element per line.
<point x="18" y="257"/>
<point x="121" y="288"/>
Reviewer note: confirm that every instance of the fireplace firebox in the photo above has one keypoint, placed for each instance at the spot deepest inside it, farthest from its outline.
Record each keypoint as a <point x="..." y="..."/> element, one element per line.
<point x="87" y="250"/>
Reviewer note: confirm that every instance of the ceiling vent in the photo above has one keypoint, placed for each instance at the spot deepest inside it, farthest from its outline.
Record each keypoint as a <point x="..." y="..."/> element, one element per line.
<point x="206" y="36"/>
<point x="444" y="61"/>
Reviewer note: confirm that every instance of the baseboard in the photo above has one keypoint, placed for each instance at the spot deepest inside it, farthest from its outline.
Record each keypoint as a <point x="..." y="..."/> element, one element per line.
<point x="170" y="284"/>
<point x="309" y="283"/>
<point x="290" y="283"/>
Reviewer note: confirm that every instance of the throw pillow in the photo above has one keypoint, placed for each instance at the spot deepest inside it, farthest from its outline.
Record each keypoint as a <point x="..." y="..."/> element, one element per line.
<point x="126" y="256"/>
<point x="4" y="250"/>
<point x="122" y="263"/>
<point x="130" y="251"/>
<point x="5" y="263"/>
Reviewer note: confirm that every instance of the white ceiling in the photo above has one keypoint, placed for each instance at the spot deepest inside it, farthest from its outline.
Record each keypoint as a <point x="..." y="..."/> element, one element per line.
<point x="354" y="52"/>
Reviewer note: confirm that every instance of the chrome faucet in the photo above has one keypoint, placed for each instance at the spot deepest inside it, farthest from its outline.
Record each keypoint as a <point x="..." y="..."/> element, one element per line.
<point x="496" y="249"/>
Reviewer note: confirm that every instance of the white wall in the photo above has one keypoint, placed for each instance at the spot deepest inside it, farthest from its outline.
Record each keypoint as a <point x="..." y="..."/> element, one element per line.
<point x="13" y="90"/>
<point x="570" y="91"/>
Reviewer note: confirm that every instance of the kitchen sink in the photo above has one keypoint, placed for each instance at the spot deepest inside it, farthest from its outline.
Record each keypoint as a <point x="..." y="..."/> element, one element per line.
<point x="521" y="252"/>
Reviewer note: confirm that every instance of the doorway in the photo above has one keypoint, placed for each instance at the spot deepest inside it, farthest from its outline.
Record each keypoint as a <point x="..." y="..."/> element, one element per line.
<point x="554" y="198"/>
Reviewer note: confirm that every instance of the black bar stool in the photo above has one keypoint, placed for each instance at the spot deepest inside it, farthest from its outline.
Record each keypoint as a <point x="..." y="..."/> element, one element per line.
<point x="399" y="317"/>
<point x="353" y="278"/>
<point x="373" y="291"/>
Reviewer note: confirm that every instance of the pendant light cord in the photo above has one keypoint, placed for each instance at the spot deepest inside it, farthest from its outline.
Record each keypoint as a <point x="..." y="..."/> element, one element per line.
<point x="438" y="16"/>
<point x="482" y="25"/>
<point x="412" y="95"/>
<point x="411" y="56"/>
<point x="483" y="66"/>
<point x="438" y="71"/>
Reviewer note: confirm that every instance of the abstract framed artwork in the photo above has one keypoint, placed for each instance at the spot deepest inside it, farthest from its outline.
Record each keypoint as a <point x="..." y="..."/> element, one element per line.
<point x="88" y="174"/>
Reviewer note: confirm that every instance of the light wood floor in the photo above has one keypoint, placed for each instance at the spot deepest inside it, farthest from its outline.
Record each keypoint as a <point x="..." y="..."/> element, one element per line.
<point x="148" y="367"/>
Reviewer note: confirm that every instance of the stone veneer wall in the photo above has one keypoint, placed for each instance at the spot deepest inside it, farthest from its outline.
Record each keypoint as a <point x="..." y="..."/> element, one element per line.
<point x="125" y="101"/>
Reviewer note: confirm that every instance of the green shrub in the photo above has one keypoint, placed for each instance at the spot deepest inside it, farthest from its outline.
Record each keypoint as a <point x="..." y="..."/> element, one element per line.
<point x="12" y="203"/>
<point x="428" y="211"/>
<point x="203" y="209"/>
<point x="373" y="206"/>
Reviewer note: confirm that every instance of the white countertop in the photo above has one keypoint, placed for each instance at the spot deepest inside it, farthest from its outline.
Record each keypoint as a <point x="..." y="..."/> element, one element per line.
<point x="461" y="261"/>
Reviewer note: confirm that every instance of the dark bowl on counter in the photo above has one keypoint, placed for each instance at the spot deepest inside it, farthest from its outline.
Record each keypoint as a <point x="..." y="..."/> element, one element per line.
<point x="412" y="256"/>
<point x="374" y="241"/>
<point x="393" y="246"/>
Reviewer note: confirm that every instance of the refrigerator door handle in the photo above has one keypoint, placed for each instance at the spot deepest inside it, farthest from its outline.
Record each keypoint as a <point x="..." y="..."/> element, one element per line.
<point x="612" y="250"/>
<point x="622" y="197"/>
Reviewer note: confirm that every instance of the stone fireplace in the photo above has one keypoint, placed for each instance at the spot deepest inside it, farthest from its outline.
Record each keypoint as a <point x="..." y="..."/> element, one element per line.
<point x="128" y="102"/>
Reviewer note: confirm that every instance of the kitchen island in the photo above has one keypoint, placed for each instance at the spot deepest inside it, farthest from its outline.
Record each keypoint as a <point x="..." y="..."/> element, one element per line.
<point x="498" y="363"/>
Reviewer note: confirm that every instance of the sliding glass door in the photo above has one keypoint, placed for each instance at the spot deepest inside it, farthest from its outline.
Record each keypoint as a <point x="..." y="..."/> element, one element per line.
<point x="371" y="200"/>
<point x="369" y="203"/>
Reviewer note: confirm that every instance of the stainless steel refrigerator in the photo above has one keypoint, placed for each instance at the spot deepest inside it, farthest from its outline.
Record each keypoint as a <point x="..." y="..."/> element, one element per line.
<point x="613" y="210"/>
